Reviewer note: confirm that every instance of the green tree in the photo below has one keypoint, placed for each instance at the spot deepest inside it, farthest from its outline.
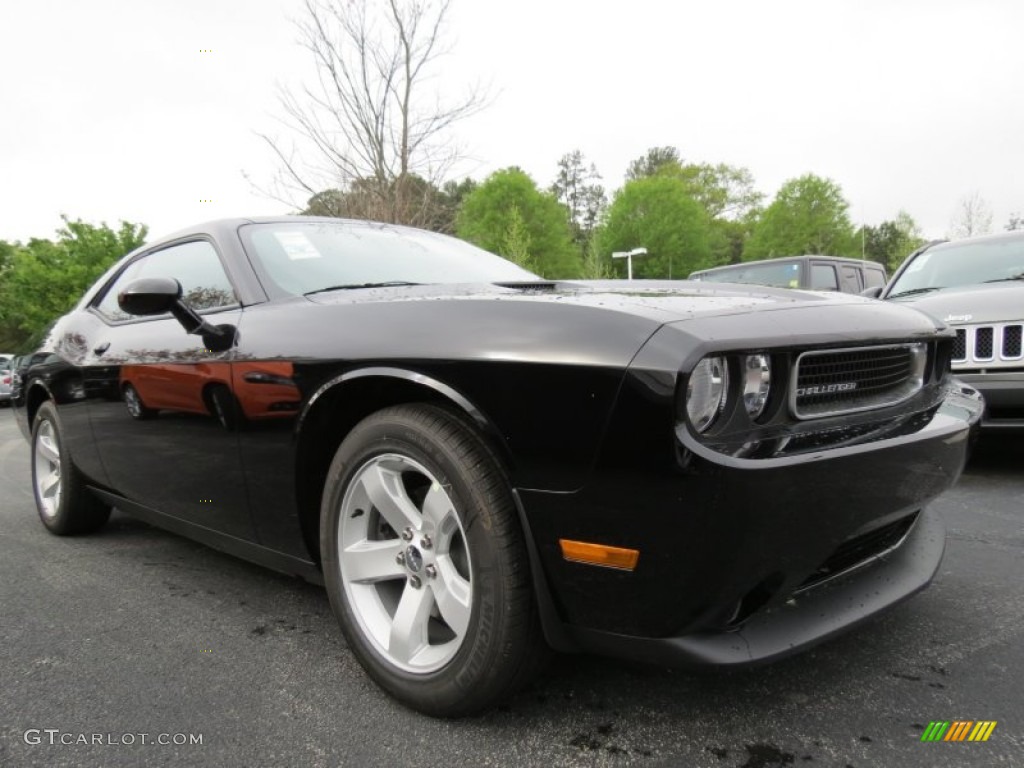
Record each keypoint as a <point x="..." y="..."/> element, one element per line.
<point x="725" y="191"/>
<point x="728" y="195"/>
<point x="597" y="263"/>
<point x="891" y="241"/>
<point x="368" y="199"/>
<point x="655" y="160"/>
<point x="577" y="188"/>
<point x="659" y="214"/>
<point x="488" y="212"/>
<point x="808" y="215"/>
<point x="516" y="245"/>
<point x="44" y="279"/>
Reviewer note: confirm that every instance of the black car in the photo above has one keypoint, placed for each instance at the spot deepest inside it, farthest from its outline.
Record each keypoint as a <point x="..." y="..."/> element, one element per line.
<point x="481" y="465"/>
<point x="975" y="285"/>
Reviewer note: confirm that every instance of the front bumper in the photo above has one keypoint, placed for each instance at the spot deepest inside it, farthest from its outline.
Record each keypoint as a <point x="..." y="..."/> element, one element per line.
<point x="728" y="545"/>
<point x="802" y="621"/>
<point x="1004" y="397"/>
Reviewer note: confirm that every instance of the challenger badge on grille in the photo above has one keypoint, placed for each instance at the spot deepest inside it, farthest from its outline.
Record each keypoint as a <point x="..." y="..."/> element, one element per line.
<point x="830" y="382"/>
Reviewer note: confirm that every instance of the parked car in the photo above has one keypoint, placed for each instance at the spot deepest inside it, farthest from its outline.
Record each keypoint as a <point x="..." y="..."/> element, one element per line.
<point x="5" y="383"/>
<point x="5" y="377"/>
<point x="816" y="273"/>
<point x="975" y="285"/>
<point x="481" y="465"/>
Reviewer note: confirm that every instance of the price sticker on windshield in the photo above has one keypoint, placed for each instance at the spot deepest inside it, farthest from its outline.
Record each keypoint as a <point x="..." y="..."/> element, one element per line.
<point x="297" y="246"/>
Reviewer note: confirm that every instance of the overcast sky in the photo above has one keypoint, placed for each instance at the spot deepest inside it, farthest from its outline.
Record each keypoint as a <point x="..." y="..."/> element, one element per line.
<point x="111" y="111"/>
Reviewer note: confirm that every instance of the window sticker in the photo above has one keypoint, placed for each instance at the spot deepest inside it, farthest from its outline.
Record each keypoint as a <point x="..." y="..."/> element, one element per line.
<point x="297" y="246"/>
<point x="794" y="283"/>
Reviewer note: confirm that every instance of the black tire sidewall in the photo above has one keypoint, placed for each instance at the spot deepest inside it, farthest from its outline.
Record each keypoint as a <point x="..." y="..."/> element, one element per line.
<point x="469" y="676"/>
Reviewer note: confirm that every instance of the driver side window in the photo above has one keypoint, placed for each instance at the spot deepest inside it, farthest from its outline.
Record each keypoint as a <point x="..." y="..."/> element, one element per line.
<point x="195" y="265"/>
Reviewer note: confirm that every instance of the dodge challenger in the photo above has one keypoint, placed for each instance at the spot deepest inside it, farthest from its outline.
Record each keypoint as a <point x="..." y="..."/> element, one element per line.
<point x="480" y="465"/>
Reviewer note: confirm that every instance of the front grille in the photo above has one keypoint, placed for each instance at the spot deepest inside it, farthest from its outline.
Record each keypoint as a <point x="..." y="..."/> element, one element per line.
<point x="835" y="381"/>
<point x="960" y="345"/>
<point x="983" y="344"/>
<point x="1012" y="341"/>
<point x="991" y="345"/>
<point x="860" y="550"/>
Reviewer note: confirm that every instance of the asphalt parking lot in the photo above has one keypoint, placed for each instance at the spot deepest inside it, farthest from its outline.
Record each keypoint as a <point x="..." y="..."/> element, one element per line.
<point x="139" y="635"/>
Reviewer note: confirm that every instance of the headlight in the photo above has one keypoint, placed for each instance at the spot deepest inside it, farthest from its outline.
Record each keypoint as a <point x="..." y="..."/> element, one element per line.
<point x="706" y="392"/>
<point x="757" y="381"/>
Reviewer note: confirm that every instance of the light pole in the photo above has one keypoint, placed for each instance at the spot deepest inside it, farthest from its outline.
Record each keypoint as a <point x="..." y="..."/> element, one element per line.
<point x="628" y="256"/>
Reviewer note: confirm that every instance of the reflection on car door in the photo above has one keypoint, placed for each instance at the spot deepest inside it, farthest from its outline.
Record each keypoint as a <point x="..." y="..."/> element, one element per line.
<point x="162" y="409"/>
<point x="173" y="452"/>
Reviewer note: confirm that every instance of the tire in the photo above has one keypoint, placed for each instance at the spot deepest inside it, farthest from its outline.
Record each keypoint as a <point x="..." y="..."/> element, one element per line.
<point x="222" y="405"/>
<point x="65" y="505"/>
<point x="425" y="563"/>
<point x="133" y="402"/>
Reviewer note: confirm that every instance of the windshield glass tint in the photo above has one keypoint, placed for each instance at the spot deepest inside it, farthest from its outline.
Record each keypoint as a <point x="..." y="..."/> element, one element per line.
<point x="952" y="265"/>
<point x="310" y="256"/>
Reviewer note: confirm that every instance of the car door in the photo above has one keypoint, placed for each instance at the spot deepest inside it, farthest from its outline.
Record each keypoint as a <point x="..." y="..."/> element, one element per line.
<point x="163" y="410"/>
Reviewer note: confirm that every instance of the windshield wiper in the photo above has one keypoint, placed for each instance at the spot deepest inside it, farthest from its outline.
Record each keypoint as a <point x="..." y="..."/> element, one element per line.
<point x="913" y="291"/>
<point x="353" y="286"/>
<point x="1004" y="279"/>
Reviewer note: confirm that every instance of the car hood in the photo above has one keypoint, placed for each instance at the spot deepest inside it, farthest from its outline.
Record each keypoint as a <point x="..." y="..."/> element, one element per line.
<point x="985" y="303"/>
<point x="657" y="300"/>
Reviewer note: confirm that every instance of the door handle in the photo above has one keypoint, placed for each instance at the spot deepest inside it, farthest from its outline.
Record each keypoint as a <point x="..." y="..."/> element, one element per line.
<point x="101" y="348"/>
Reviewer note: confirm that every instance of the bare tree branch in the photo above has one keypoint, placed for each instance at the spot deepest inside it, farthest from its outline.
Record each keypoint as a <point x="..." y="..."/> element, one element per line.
<point x="369" y="127"/>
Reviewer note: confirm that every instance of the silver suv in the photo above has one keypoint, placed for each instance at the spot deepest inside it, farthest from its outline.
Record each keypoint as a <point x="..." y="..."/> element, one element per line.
<point x="6" y="375"/>
<point x="975" y="285"/>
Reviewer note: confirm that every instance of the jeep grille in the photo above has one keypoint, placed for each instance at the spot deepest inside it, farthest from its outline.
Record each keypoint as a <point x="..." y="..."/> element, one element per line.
<point x="996" y="345"/>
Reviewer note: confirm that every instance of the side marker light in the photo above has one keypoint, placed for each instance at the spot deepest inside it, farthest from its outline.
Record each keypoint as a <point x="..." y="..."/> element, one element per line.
<point x="599" y="554"/>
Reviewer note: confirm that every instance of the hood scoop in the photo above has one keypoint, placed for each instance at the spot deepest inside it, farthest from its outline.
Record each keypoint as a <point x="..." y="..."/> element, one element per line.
<point x="531" y="286"/>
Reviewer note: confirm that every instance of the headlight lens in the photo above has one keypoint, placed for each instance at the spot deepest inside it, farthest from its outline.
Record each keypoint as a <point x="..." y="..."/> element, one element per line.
<point x="706" y="392"/>
<point x="757" y="381"/>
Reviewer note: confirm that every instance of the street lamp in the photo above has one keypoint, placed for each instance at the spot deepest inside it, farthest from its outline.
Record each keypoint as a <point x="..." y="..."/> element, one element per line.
<point x="628" y="256"/>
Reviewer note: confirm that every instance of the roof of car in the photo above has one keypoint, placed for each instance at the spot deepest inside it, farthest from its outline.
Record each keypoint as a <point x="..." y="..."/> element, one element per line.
<point x="1017" y="234"/>
<point x="237" y="221"/>
<point x="782" y="259"/>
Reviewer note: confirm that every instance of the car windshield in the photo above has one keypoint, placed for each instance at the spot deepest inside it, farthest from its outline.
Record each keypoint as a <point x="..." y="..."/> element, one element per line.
<point x="305" y="257"/>
<point x="953" y="265"/>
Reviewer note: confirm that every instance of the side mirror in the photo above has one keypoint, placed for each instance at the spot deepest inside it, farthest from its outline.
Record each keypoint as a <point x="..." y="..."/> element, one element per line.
<point x="874" y="292"/>
<point x="150" y="296"/>
<point x="158" y="295"/>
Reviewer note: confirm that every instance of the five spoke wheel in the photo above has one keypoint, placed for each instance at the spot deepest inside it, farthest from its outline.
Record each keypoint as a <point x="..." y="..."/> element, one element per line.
<point x="404" y="563"/>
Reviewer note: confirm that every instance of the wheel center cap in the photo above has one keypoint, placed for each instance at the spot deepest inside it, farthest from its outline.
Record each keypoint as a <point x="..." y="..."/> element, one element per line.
<point x="413" y="559"/>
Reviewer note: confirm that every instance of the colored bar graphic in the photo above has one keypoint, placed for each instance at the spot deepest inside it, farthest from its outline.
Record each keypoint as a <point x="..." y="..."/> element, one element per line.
<point x="959" y="730"/>
<point x="935" y="731"/>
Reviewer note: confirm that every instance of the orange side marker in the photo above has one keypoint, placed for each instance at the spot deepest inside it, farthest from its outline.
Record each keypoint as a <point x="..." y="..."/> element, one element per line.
<point x="599" y="554"/>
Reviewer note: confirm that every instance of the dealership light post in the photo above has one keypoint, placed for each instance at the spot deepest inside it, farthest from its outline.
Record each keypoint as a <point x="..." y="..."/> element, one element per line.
<point x="628" y="256"/>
